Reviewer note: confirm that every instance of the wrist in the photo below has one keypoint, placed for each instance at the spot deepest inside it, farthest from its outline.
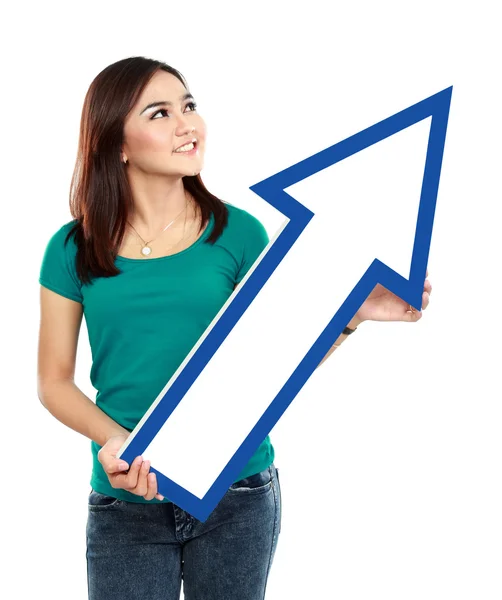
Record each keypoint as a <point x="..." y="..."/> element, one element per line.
<point x="355" y="322"/>
<point x="116" y="431"/>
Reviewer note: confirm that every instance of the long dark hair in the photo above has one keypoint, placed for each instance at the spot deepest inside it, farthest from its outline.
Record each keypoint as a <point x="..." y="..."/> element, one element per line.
<point x="100" y="194"/>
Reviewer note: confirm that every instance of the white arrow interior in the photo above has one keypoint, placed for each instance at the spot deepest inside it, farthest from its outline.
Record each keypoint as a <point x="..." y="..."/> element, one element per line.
<point x="366" y="207"/>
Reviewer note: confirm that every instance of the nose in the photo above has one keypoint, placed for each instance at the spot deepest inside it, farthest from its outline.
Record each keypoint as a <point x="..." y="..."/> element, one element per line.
<point x="183" y="126"/>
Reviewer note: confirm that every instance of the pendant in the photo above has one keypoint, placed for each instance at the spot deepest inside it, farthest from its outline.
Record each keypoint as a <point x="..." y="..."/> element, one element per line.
<point x="146" y="250"/>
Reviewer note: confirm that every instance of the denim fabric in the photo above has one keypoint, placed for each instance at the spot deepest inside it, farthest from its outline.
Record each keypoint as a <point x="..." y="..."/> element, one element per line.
<point x="146" y="551"/>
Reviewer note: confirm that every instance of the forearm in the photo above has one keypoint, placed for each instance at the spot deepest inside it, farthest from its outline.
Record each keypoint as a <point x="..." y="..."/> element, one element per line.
<point x="65" y="401"/>
<point x="355" y="322"/>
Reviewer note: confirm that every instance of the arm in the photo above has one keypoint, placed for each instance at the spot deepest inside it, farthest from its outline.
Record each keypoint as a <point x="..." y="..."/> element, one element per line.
<point x="60" y="320"/>
<point x="355" y="322"/>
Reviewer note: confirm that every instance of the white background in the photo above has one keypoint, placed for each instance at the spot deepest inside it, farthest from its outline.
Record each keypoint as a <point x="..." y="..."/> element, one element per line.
<point x="389" y="457"/>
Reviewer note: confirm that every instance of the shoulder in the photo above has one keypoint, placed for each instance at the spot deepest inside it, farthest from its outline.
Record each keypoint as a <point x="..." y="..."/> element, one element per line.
<point x="247" y="238"/>
<point x="60" y="234"/>
<point x="59" y="240"/>
<point x="244" y="224"/>
<point x="58" y="269"/>
<point x="65" y="229"/>
<point x="238" y="214"/>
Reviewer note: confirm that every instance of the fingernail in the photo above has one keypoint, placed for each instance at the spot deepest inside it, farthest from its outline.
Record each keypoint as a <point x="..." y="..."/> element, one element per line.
<point x="123" y="465"/>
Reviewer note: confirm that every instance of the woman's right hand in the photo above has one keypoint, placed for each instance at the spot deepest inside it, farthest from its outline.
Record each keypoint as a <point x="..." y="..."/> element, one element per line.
<point x="136" y="478"/>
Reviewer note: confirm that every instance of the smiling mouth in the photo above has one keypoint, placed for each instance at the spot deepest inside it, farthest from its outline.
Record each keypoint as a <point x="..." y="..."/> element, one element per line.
<point x="187" y="148"/>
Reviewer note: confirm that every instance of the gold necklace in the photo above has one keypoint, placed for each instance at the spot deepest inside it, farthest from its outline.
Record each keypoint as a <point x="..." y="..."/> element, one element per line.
<point x="146" y="250"/>
<point x="184" y="234"/>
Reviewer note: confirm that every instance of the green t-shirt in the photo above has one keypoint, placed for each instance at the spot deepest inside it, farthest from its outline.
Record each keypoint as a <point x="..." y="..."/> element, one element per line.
<point x="143" y="322"/>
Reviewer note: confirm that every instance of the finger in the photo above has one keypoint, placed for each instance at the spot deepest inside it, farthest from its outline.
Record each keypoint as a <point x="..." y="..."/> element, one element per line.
<point x="425" y="300"/>
<point x="113" y="465"/>
<point x="427" y="286"/>
<point x="142" y="485"/>
<point x="416" y="315"/>
<point x="134" y="473"/>
<point x="412" y="315"/>
<point x="109" y="461"/>
<point x="156" y="487"/>
<point x="152" y="486"/>
<point x="128" y="480"/>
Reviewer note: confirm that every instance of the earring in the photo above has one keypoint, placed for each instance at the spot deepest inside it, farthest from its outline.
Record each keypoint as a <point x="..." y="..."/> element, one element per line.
<point x="125" y="160"/>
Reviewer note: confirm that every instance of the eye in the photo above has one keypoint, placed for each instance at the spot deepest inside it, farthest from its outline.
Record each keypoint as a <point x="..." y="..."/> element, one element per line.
<point x="162" y="110"/>
<point x="193" y="106"/>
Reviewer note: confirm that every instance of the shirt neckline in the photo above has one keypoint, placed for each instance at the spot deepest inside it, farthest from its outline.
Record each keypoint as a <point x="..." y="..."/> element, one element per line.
<point x="198" y="241"/>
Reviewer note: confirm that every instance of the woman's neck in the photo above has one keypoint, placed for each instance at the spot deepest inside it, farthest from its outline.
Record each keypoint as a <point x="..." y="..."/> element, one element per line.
<point x="155" y="206"/>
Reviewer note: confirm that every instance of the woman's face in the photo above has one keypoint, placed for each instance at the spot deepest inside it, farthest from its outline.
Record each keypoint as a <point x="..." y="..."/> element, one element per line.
<point x="153" y="133"/>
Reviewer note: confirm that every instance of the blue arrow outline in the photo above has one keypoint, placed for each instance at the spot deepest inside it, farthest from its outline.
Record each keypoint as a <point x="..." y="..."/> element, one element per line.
<point x="272" y="191"/>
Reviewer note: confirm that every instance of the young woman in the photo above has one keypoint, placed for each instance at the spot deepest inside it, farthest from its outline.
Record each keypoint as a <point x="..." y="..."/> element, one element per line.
<point x="150" y="257"/>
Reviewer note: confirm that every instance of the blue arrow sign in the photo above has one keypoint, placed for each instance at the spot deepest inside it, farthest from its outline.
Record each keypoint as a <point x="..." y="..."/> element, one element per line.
<point x="276" y="370"/>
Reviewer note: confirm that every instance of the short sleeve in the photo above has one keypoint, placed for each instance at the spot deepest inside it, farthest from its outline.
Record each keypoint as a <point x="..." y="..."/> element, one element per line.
<point x="58" y="271"/>
<point x="256" y="239"/>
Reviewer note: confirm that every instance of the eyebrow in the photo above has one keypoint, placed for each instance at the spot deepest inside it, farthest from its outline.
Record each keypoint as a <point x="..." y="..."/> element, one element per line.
<point x="166" y="102"/>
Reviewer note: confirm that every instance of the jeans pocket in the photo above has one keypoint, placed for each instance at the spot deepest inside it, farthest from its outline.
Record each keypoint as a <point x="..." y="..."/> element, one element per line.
<point x="98" y="501"/>
<point x="253" y="484"/>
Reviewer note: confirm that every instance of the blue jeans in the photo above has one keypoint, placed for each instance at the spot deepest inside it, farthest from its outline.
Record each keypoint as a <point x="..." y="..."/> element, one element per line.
<point x="138" y="551"/>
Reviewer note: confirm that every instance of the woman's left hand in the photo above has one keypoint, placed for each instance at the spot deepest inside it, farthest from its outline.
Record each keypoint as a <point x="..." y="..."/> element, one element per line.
<point x="382" y="305"/>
